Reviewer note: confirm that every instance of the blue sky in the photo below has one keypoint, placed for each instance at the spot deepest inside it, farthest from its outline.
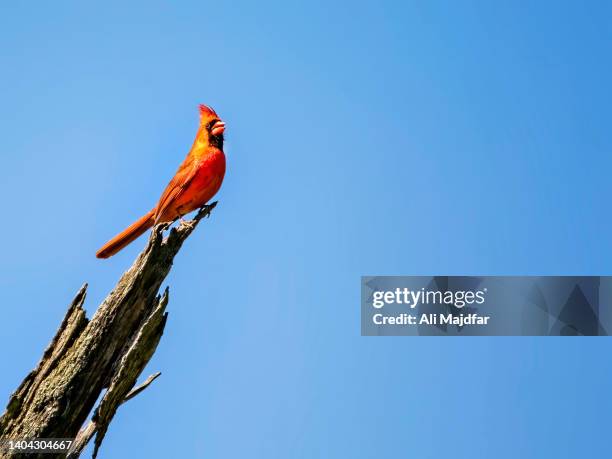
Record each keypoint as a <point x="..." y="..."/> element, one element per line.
<point x="363" y="138"/>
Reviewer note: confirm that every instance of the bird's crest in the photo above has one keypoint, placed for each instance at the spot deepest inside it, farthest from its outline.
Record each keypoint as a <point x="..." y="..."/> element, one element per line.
<point x="207" y="112"/>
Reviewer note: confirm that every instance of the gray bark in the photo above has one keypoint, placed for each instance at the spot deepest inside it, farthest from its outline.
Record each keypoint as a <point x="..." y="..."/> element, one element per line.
<point x="107" y="352"/>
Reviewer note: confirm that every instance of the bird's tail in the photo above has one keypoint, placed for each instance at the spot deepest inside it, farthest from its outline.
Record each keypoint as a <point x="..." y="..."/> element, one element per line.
<point x="128" y="235"/>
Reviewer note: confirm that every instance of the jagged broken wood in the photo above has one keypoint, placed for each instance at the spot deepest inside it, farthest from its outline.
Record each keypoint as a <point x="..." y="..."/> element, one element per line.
<point x="109" y="351"/>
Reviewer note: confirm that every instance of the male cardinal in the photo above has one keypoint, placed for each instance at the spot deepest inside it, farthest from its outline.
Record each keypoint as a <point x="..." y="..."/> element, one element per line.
<point x="197" y="180"/>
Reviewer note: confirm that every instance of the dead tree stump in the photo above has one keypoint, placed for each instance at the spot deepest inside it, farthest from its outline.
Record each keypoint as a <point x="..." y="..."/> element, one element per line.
<point x="107" y="352"/>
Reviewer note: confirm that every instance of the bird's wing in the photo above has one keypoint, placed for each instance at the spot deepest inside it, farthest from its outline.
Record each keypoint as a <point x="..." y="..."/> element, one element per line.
<point x="178" y="184"/>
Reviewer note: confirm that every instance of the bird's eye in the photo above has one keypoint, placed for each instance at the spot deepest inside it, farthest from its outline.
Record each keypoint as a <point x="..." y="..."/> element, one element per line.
<point x="211" y="124"/>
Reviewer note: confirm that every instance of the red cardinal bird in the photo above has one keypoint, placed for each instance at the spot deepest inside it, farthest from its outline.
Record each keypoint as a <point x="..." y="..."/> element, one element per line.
<point x="197" y="180"/>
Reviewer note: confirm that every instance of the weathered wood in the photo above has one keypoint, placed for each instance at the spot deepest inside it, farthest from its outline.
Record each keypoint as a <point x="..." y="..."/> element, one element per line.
<point x="109" y="351"/>
<point x="130" y="367"/>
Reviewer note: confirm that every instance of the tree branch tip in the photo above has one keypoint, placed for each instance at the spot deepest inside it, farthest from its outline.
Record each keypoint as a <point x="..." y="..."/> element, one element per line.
<point x="205" y="210"/>
<point x="162" y="299"/>
<point x="158" y="231"/>
<point x="80" y="296"/>
<point x="173" y="232"/>
<point x="138" y="389"/>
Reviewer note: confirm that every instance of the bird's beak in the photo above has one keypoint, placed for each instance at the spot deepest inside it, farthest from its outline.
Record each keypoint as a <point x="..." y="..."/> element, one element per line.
<point x="218" y="128"/>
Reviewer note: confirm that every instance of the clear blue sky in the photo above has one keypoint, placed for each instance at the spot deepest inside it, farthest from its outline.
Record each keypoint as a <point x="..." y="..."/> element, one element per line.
<point x="363" y="139"/>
